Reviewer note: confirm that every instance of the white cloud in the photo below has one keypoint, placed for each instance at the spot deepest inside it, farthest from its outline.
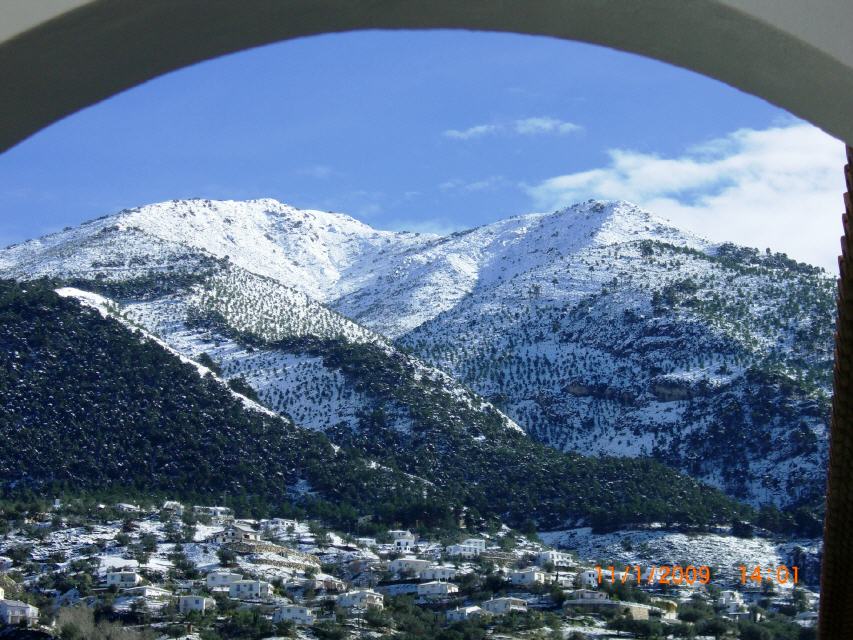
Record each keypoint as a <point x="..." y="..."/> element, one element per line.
<point x="471" y="132"/>
<point x="486" y="184"/>
<point x="529" y="126"/>
<point x="523" y="126"/>
<point x="780" y="187"/>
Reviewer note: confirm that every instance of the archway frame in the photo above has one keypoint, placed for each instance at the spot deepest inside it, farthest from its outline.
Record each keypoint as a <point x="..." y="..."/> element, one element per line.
<point x="59" y="56"/>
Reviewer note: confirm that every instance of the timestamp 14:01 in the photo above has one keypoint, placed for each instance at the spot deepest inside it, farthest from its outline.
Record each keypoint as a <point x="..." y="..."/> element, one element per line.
<point x="780" y="574"/>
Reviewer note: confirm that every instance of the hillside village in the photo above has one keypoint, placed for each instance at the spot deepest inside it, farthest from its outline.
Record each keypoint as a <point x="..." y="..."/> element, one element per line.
<point x="197" y="572"/>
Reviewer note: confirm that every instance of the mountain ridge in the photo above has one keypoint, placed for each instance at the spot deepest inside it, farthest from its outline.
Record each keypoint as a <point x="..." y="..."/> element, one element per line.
<point x="597" y="328"/>
<point x="93" y="403"/>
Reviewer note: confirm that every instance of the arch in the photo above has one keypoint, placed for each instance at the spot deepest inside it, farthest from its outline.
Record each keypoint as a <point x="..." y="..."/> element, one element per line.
<point x="59" y="56"/>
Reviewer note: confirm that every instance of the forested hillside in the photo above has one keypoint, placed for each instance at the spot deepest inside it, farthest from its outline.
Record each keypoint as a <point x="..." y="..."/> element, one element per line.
<point x="598" y="329"/>
<point x="87" y="403"/>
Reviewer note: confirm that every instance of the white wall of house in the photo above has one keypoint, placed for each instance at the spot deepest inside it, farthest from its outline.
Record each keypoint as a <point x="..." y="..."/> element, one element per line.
<point x="15" y="612"/>
<point x="499" y="606"/>
<point x="731" y="600"/>
<point x="408" y="564"/>
<point x="221" y="579"/>
<point x="587" y="579"/>
<point x="249" y="589"/>
<point x="464" y="613"/>
<point x="557" y="558"/>
<point x="462" y="551"/>
<point x="528" y="577"/>
<point x="195" y="603"/>
<point x="236" y="534"/>
<point x="123" y="579"/>
<point x="148" y="591"/>
<point x="438" y="573"/>
<point x="363" y="598"/>
<point x="437" y="588"/>
<point x="293" y="613"/>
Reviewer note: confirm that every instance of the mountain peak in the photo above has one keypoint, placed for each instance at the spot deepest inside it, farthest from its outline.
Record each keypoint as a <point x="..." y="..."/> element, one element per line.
<point x="606" y="222"/>
<point x="605" y="210"/>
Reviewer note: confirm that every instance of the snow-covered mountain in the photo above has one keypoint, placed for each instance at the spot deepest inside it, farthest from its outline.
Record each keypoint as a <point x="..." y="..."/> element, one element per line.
<point x="598" y="328"/>
<point x="322" y="254"/>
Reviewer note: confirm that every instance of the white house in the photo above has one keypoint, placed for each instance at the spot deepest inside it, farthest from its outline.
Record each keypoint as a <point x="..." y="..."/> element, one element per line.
<point x="415" y="565"/>
<point x="500" y="606"/>
<point x="668" y="608"/>
<point x="123" y="579"/>
<point x="403" y="540"/>
<point x="588" y="578"/>
<point x="249" y="589"/>
<point x="184" y="585"/>
<point x="470" y="548"/>
<point x="437" y="589"/>
<point x="217" y="513"/>
<point x="149" y="591"/>
<point x="293" y="613"/>
<point x="195" y="603"/>
<point x="557" y="558"/>
<point x="461" y="551"/>
<point x="477" y="543"/>
<point x="287" y="523"/>
<point x="587" y="594"/>
<point x="324" y="582"/>
<point x="731" y="600"/>
<point x="370" y="543"/>
<point x="218" y="579"/>
<point x="236" y="533"/>
<point x="437" y="572"/>
<point x="15" y="612"/>
<point x="566" y="580"/>
<point x="362" y="599"/>
<point x="173" y="507"/>
<point x="528" y="577"/>
<point x="464" y="613"/>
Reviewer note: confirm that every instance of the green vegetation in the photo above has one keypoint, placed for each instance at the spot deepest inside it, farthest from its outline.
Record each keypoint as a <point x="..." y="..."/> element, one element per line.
<point x="468" y="449"/>
<point x="86" y="404"/>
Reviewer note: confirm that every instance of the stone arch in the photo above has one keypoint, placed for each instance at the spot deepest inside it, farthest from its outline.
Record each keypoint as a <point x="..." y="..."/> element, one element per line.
<point x="59" y="56"/>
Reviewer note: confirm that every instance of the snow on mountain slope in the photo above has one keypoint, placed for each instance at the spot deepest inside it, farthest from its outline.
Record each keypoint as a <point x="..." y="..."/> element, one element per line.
<point x="167" y="268"/>
<point x="210" y="318"/>
<point x="108" y="308"/>
<point x="632" y="338"/>
<point x="314" y="251"/>
<point x="331" y="257"/>
<point x="598" y="328"/>
<point x="509" y="259"/>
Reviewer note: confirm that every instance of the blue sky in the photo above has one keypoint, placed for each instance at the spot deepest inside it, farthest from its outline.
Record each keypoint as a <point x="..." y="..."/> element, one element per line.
<point x="438" y="131"/>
